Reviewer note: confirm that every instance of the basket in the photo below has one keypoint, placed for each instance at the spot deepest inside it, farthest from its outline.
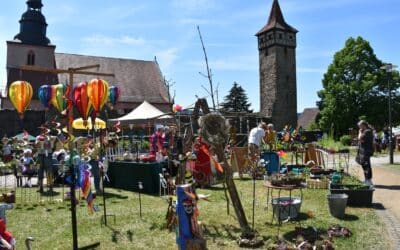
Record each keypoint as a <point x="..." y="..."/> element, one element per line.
<point x="317" y="184"/>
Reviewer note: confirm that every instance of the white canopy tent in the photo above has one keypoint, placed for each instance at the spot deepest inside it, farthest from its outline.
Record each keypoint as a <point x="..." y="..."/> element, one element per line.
<point x="143" y="113"/>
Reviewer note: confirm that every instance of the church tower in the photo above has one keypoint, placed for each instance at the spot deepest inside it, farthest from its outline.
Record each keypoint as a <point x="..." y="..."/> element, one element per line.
<point x="30" y="47"/>
<point x="277" y="60"/>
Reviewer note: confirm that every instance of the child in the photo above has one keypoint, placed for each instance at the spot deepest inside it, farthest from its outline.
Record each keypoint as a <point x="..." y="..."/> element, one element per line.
<point x="27" y="162"/>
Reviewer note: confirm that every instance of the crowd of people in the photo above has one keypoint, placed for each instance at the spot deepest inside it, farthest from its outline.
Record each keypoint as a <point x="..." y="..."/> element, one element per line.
<point x="45" y="158"/>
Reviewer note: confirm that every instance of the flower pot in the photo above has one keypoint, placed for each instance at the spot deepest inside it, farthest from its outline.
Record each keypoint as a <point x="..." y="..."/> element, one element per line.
<point x="337" y="204"/>
<point x="358" y="195"/>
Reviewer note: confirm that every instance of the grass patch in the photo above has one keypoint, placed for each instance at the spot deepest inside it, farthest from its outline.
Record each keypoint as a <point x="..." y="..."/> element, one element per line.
<point x="49" y="222"/>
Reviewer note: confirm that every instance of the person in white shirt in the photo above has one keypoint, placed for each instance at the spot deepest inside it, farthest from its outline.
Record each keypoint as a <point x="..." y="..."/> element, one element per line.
<point x="256" y="138"/>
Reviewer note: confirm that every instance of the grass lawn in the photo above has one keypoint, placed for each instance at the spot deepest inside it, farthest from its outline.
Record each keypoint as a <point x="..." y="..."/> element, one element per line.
<point x="50" y="224"/>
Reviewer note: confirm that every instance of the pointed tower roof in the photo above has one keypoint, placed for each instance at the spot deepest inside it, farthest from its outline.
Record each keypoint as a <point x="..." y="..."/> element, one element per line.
<point x="276" y="20"/>
<point x="33" y="25"/>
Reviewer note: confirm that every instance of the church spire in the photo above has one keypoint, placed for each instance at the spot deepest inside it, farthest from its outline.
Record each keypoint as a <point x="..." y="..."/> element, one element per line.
<point x="34" y="4"/>
<point x="276" y="20"/>
<point x="33" y="25"/>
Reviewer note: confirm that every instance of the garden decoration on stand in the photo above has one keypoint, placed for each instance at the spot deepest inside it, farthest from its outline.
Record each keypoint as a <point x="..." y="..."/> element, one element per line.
<point x="114" y="93"/>
<point x="81" y="101"/>
<point x="59" y="100"/>
<point x="20" y="93"/>
<point x="189" y="233"/>
<point x="97" y="90"/>
<point x="214" y="130"/>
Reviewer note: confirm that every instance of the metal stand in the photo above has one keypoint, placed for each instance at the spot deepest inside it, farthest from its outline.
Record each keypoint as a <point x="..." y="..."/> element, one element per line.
<point x="104" y="216"/>
<point x="140" y="199"/>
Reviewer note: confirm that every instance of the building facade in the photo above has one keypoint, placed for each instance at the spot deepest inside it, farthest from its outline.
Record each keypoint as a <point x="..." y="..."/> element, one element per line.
<point x="138" y="80"/>
<point x="277" y="67"/>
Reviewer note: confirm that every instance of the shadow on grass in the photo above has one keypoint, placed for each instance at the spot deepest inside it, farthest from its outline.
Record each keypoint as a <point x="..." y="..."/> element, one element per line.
<point x="378" y="206"/>
<point x="114" y="234"/>
<point x="49" y="193"/>
<point x="350" y="217"/>
<point x="389" y="187"/>
<point x="114" y="195"/>
<point x="221" y="231"/>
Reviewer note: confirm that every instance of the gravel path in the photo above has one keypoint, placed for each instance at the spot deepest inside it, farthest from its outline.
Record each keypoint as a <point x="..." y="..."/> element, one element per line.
<point x="387" y="185"/>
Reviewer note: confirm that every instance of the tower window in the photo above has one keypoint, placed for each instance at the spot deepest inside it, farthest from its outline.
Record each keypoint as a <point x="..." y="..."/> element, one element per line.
<point x="280" y="36"/>
<point x="285" y="50"/>
<point x="30" y="58"/>
<point x="291" y="37"/>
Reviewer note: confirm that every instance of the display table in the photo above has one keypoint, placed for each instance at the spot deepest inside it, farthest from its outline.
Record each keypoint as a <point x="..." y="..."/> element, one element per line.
<point x="126" y="175"/>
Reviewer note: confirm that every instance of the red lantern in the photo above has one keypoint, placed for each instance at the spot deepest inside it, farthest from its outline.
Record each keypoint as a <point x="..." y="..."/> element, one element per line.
<point x="82" y="101"/>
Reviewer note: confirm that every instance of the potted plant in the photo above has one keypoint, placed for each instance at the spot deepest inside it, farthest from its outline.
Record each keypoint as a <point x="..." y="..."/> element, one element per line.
<point x="359" y="194"/>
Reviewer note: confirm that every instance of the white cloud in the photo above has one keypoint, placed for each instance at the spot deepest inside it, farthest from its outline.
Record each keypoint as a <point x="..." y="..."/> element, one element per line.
<point x="112" y="41"/>
<point x="193" y="21"/>
<point x="166" y="58"/>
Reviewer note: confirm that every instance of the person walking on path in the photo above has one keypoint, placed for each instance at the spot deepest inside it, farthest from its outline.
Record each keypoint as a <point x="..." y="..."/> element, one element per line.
<point x="365" y="150"/>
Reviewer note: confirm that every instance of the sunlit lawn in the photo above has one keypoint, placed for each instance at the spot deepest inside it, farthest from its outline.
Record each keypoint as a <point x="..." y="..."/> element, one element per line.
<point x="50" y="224"/>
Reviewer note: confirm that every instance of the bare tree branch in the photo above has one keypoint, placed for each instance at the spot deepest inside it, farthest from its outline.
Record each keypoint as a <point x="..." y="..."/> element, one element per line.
<point x="209" y="75"/>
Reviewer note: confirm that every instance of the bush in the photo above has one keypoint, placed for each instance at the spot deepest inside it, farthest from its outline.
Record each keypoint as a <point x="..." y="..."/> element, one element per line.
<point x="345" y="140"/>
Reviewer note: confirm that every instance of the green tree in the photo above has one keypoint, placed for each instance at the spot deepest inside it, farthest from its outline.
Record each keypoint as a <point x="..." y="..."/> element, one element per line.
<point x="236" y="100"/>
<point x="354" y="86"/>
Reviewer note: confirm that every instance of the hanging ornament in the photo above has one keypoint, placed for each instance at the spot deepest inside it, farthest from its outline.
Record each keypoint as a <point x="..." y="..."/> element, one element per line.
<point x="45" y="94"/>
<point x="81" y="100"/>
<point x="177" y="108"/>
<point x="20" y="93"/>
<point x="114" y="94"/>
<point x="58" y="99"/>
<point x="97" y="90"/>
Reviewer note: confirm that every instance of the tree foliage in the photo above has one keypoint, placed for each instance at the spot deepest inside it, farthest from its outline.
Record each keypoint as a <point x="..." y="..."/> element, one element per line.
<point x="355" y="86"/>
<point x="236" y="100"/>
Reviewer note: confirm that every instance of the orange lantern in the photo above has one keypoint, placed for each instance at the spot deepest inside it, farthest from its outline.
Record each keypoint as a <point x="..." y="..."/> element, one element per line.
<point x="20" y="93"/>
<point x="97" y="90"/>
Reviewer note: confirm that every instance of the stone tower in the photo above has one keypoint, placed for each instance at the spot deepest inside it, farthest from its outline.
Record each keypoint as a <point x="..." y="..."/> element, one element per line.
<point x="30" y="47"/>
<point x="277" y="59"/>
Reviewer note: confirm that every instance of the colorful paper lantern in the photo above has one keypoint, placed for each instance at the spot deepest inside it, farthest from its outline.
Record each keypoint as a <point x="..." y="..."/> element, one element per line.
<point x="20" y="93"/>
<point x="177" y="108"/>
<point x="58" y="98"/>
<point x="81" y="100"/>
<point x="97" y="90"/>
<point x="45" y="94"/>
<point x="114" y="94"/>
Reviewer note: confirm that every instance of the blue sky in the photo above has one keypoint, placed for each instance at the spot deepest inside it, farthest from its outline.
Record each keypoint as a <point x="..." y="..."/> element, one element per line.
<point x="167" y="29"/>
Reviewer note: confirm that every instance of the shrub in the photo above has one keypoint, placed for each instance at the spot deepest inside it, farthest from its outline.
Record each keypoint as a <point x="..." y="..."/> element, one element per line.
<point x="345" y="140"/>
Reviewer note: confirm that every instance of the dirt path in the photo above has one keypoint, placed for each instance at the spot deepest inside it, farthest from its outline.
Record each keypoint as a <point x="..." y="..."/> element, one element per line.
<point x="387" y="192"/>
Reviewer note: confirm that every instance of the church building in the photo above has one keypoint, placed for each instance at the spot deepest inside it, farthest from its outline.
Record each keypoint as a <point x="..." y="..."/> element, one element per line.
<point x="277" y="67"/>
<point x="138" y="80"/>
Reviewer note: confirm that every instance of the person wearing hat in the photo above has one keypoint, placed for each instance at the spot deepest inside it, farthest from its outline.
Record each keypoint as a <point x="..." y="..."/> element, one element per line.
<point x="365" y="150"/>
<point x="256" y="138"/>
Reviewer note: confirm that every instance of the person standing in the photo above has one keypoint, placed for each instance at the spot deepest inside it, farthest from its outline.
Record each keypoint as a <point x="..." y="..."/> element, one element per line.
<point x="256" y="138"/>
<point x="365" y="150"/>
<point x="270" y="137"/>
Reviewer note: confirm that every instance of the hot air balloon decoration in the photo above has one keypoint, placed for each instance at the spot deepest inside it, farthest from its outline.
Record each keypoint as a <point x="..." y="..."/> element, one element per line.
<point x="97" y="90"/>
<point x="20" y="93"/>
<point x="81" y="100"/>
<point x="45" y="94"/>
<point x="58" y="99"/>
<point x="114" y="94"/>
<point x="177" y="108"/>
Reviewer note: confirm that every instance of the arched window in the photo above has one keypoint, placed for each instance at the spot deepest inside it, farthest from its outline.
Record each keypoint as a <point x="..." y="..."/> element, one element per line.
<point x="31" y="58"/>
